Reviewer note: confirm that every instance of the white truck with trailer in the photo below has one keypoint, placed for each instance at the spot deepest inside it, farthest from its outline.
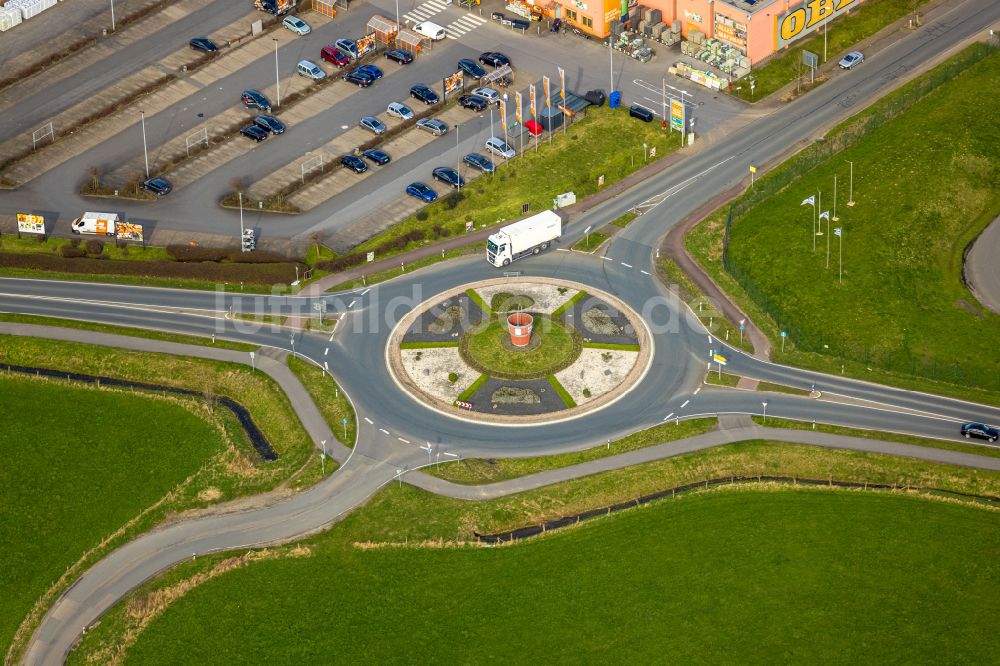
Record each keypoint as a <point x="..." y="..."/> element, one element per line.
<point x="102" y="224"/>
<point x="529" y="236"/>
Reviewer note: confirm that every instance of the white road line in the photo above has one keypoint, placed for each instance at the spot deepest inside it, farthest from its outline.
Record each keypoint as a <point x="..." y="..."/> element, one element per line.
<point x="370" y="422"/>
<point x="561" y="249"/>
<point x="685" y="404"/>
<point x="384" y="430"/>
<point x="625" y="265"/>
<point x="404" y="441"/>
<point x="365" y="292"/>
<point x="452" y="455"/>
<point x="426" y="448"/>
<point x="696" y="390"/>
<point x="351" y="304"/>
<point x="668" y="416"/>
<point x="326" y="351"/>
<point x="643" y="272"/>
<point x="607" y="258"/>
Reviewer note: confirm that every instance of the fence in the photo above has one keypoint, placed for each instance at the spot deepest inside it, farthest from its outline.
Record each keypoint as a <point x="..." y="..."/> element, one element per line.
<point x="534" y="530"/>
<point x="845" y="136"/>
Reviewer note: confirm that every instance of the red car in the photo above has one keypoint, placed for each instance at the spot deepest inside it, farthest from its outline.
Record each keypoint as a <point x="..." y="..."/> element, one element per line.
<point x="331" y="53"/>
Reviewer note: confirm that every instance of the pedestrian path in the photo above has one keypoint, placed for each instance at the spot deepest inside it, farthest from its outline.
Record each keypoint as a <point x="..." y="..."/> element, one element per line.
<point x="425" y="10"/>
<point x="460" y="26"/>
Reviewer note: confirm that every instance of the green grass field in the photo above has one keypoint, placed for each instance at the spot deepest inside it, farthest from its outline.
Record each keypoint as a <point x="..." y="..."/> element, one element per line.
<point x="557" y="348"/>
<point x="79" y="464"/>
<point x="925" y="187"/>
<point x="711" y="577"/>
<point x="330" y="400"/>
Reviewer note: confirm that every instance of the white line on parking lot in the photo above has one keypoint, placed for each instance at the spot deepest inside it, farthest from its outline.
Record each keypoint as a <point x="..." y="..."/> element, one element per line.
<point x="370" y="422"/>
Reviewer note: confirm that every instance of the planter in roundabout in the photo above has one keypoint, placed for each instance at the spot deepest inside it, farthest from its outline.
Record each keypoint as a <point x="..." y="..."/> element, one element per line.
<point x="525" y="351"/>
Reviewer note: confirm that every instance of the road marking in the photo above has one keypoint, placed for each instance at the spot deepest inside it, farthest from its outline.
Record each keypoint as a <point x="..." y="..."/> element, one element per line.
<point x="607" y="258"/>
<point x="643" y="272"/>
<point x="351" y="304"/>
<point x="370" y="422"/>
<point x="696" y="390"/>
<point x="685" y="404"/>
<point x="561" y="249"/>
<point x="365" y="292"/>
<point x="426" y="448"/>
<point x="452" y="455"/>
<point x="404" y="441"/>
<point x="668" y="416"/>
<point x="384" y="430"/>
<point x="625" y="265"/>
<point x="326" y="351"/>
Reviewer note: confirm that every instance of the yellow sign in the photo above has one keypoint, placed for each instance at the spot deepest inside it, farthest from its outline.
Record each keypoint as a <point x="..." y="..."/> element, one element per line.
<point x="128" y="231"/>
<point x="30" y="224"/>
<point x="719" y="358"/>
<point x="518" y="108"/>
<point x="453" y="83"/>
<point x="531" y="97"/>
<point x="753" y="169"/>
<point x="546" y="84"/>
<point x="796" y="21"/>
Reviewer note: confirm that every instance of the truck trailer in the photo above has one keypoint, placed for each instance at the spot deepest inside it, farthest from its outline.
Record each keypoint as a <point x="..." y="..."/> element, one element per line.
<point x="529" y="236"/>
<point x="102" y="224"/>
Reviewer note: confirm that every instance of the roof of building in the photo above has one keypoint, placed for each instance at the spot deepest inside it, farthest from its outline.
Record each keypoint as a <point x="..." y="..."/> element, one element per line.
<point x="748" y="6"/>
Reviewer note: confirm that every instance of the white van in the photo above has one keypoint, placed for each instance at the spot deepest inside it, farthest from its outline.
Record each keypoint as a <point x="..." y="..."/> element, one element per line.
<point x="430" y="30"/>
<point x="310" y="70"/>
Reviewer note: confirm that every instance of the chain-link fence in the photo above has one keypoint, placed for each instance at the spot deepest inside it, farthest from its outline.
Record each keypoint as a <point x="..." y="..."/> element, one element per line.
<point x="840" y="139"/>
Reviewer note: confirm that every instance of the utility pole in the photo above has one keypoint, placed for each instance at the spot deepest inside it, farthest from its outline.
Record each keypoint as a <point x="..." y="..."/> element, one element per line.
<point x="458" y="161"/>
<point x="112" y="15"/>
<point x="850" y="191"/>
<point x="277" y="79"/>
<point x="145" y="153"/>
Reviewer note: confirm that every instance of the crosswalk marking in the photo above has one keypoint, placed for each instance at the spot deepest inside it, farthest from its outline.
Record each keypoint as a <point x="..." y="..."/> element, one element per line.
<point x="425" y="10"/>
<point x="462" y="25"/>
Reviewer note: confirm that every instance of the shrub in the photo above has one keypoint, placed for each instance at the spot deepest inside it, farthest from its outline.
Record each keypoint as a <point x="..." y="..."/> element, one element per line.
<point x="452" y="377"/>
<point x="341" y="263"/>
<point x="453" y="200"/>
<point x="75" y="242"/>
<point x="95" y="246"/>
<point x="257" y="257"/>
<point x="439" y="231"/>
<point x="586" y="393"/>
<point x="72" y="251"/>
<point x="421" y="215"/>
<point x="196" y="253"/>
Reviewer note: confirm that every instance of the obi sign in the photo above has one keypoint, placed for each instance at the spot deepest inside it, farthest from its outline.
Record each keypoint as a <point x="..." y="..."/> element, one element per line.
<point x="801" y="19"/>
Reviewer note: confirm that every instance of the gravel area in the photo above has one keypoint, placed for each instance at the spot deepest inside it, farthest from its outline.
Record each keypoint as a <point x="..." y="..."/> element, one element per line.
<point x="429" y="369"/>
<point x="546" y="296"/>
<point x="597" y="370"/>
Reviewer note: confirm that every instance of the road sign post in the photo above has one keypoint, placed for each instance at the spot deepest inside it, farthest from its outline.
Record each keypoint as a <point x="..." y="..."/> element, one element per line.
<point x="784" y="334"/>
<point x="344" y="422"/>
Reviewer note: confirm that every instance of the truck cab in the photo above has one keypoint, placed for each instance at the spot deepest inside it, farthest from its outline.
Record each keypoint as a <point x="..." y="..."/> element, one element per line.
<point x="498" y="250"/>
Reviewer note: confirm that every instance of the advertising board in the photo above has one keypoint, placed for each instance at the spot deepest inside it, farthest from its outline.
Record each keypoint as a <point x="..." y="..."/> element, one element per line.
<point x="30" y="224"/>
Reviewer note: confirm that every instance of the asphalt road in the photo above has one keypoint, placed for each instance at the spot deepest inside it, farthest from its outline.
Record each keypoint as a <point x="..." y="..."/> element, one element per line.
<point x="392" y="426"/>
<point x="982" y="267"/>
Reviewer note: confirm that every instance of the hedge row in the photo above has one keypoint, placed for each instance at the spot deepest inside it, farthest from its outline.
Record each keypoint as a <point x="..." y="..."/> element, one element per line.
<point x="250" y="273"/>
<point x="358" y="258"/>
<point x="186" y="253"/>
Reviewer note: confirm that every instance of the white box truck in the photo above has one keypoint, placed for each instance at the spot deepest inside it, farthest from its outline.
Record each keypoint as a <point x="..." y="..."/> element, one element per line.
<point x="529" y="236"/>
<point x="96" y="223"/>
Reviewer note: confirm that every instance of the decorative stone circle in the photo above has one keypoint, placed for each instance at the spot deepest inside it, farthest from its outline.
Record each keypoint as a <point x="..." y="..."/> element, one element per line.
<point x="455" y="355"/>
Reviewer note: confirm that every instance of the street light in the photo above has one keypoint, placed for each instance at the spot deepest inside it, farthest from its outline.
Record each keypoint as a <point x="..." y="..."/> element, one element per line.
<point x="277" y="79"/>
<point x="850" y="192"/>
<point x="765" y="411"/>
<point x="458" y="160"/>
<point x="145" y="153"/>
<point x="112" y="15"/>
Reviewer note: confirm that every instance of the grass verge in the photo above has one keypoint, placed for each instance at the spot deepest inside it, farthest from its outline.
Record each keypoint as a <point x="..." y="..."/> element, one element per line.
<point x="561" y="391"/>
<point x="426" y="345"/>
<point x="331" y="401"/>
<point x="611" y="345"/>
<point x="388" y="274"/>
<point x="725" y="379"/>
<point x="562" y="309"/>
<point x="590" y="242"/>
<point x="475" y="386"/>
<point x="781" y="388"/>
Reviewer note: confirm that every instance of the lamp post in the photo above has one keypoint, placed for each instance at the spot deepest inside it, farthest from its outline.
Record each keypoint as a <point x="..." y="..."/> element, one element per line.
<point x="850" y="191"/>
<point x="242" y="231"/>
<point x="277" y="79"/>
<point x="112" y="15"/>
<point x="765" y="411"/>
<point x="458" y="160"/>
<point x="611" y="62"/>
<point x="145" y="153"/>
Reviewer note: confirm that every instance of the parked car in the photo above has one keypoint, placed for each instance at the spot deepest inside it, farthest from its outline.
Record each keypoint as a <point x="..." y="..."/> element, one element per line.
<point x="377" y="155"/>
<point x="399" y="55"/>
<point x="556" y="25"/>
<point x="481" y="162"/>
<point x="851" y="59"/>
<point x="980" y="431"/>
<point x="520" y="24"/>
<point x="310" y="70"/>
<point x="371" y="70"/>
<point x="640" y="112"/>
<point x="490" y="95"/>
<point x="449" y="176"/>
<point x="422" y="192"/>
<point x="333" y="55"/>
<point x="253" y="133"/>
<point x="474" y="102"/>
<point x="269" y="124"/>
<point x="360" y="79"/>
<point x="354" y="163"/>
<point x="204" y="44"/>
<point x="433" y="125"/>
<point x="348" y="46"/>
<point x="254" y="99"/>
<point x="498" y="16"/>
<point x="158" y="186"/>
<point x="296" y="25"/>
<point x="372" y="123"/>
<point x="399" y="110"/>
<point x="498" y="146"/>
<point x="470" y="67"/>
<point x="494" y="59"/>
<point x="424" y="94"/>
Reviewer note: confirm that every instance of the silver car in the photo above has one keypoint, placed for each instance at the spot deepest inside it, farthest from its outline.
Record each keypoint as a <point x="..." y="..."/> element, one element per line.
<point x="433" y="125"/>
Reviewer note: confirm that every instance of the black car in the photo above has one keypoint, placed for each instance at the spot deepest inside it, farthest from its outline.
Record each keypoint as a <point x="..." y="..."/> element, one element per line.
<point x="255" y="99"/>
<point x="400" y="56"/>
<point x="269" y="124"/>
<point x="354" y="163"/>
<point x="494" y="59"/>
<point x="474" y="102"/>
<point x="449" y="176"/>
<point x="158" y="186"/>
<point x="481" y="162"/>
<point x="203" y="44"/>
<point x="470" y="67"/>
<point x="424" y="94"/>
<point x="498" y="16"/>
<point x="520" y="24"/>
<point x="980" y="431"/>
<point x="377" y="155"/>
<point x="361" y="79"/>
<point x="253" y="133"/>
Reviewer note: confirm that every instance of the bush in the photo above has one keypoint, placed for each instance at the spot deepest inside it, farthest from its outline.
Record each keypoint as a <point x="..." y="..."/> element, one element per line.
<point x="440" y="232"/>
<point x="453" y="200"/>
<point x="95" y="246"/>
<point x="72" y="252"/>
<point x="196" y="253"/>
<point x="421" y="215"/>
<point x="256" y="257"/>
<point x="75" y="242"/>
<point x="452" y="377"/>
<point x="341" y="263"/>
<point x="586" y="393"/>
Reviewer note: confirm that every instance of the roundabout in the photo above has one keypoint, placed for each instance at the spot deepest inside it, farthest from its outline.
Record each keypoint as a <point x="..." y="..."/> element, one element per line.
<point x="522" y="351"/>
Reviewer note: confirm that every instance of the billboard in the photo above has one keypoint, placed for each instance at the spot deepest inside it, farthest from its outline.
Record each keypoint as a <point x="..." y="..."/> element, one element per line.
<point x="801" y="19"/>
<point x="677" y="115"/>
<point x="731" y="31"/>
<point x="30" y="224"/>
<point x="366" y="45"/>
<point x="453" y="83"/>
<point x="518" y="108"/>
<point x="128" y="231"/>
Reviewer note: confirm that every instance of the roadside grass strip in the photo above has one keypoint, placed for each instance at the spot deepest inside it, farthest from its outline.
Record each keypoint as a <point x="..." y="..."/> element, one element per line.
<point x="478" y="300"/>
<point x="590" y="242"/>
<point x="561" y="310"/>
<point x="562" y="392"/>
<point x="330" y="399"/>
<point x="476" y="385"/>
<point x="428" y="345"/>
<point x="611" y="345"/>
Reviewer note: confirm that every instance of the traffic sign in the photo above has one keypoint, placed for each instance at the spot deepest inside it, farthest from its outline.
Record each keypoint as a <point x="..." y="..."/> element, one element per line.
<point x="719" y="358"/>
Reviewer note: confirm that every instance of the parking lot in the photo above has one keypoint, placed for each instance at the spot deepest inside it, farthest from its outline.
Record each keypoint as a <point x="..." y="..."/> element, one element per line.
<point x="206" y="103"/>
